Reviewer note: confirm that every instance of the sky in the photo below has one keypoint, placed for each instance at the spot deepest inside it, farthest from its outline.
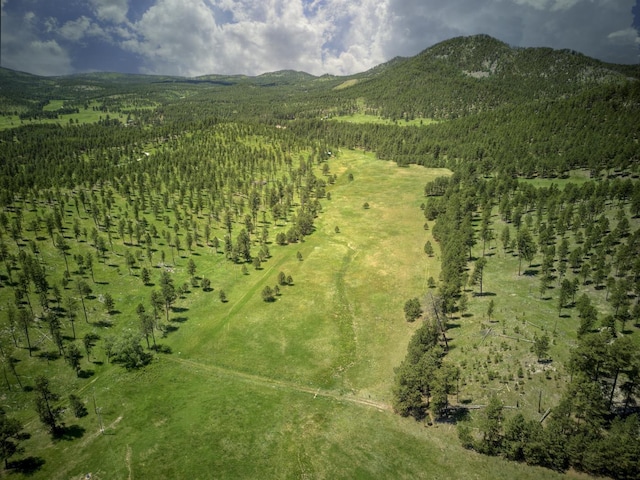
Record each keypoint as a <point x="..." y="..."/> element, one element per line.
<point x="341" y="37"/>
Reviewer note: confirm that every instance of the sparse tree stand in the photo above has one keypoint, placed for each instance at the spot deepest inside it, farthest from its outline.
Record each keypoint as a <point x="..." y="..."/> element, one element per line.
<point x="25" y="318"/>
<point x="167" y="291"/>
<point x="145" y="275"/>
<point x="268" y="294"/>
<point x="73" y="357"/>
<point x="109" y="303"/>
<point x="10" y="429"/>
<point x="83" y="290"/>
<point x="490" y="309"/>
<point x="541" y="346"/>
<point x="45" y="405"/>
<point x="478" y="272"/>
<point x="412" y="309"/>
<point x="78" y="408"/>
<point x="490" y="426"/>
<point x="428" y="248"/>
<point x="526" y="247"/>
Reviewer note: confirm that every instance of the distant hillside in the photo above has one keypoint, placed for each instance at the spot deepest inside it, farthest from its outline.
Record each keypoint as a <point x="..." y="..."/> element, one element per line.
<point x="20" y="91"/>
<point x="455" y="78"/>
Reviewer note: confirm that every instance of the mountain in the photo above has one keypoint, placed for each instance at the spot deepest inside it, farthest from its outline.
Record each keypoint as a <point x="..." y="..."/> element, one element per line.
<point x="471" y="74"/>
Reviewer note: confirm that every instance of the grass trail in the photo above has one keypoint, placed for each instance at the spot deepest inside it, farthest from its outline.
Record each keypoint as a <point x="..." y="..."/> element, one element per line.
<point x="197" y="367"/>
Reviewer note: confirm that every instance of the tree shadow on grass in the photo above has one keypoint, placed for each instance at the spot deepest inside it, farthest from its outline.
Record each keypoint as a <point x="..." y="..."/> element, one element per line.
<point x="179" y="309"/>
<point x="454" y="415"/>
<point x="103" y="323"/>
<point x="161" y="348"/>
<point x="168" y="328"/>
<point x="86" y="373"/>
<point x="179" y="319"/>
<point x="50" y="355"/>
<point x="531" y="272"/>
<point x="69" y="433"/>
<point x="26" y="466"/>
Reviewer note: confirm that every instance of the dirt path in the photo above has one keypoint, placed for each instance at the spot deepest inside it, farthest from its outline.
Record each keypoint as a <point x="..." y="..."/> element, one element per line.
<point x="248" y="294"/>
<point x="284" y="385"/>
<point x="128" y="460"/>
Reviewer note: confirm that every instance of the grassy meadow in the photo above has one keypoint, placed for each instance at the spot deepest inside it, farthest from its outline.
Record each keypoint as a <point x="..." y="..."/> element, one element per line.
<point x="300" y="387"/>
<point x="88" y="115"/>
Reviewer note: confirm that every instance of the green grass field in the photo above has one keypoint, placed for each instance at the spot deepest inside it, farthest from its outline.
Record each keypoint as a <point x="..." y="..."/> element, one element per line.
<point x="364" y="118"/>
<point x="297" y="388"/>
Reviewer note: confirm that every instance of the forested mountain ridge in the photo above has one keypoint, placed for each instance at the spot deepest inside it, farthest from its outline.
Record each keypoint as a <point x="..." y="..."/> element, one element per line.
<point x="467" y="75"/>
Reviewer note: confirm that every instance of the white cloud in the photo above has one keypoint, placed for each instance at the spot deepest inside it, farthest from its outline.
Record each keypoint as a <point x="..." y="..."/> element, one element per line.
<point x="628" y="36"/>
<point x="75" y="30"/>
<point x="22" y="49"/>
<point x="111" y="10"/>
<point x="227" y="36"/>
